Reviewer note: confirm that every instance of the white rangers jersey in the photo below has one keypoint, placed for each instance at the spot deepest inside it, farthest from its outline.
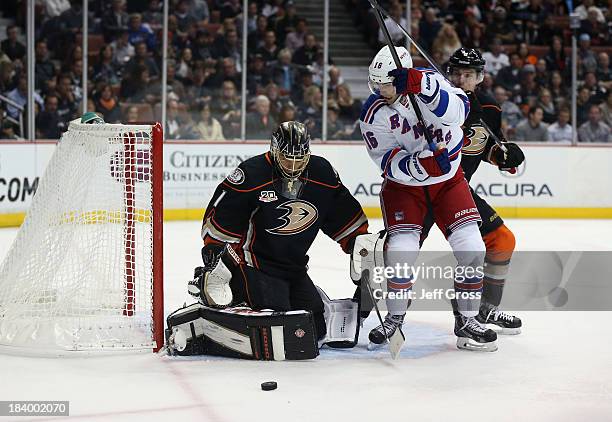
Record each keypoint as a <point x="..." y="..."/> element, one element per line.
<point x="395" y="140"/>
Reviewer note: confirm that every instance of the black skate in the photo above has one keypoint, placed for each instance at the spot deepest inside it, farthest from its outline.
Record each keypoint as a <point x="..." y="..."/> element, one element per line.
<point x="377" y="335"/>
<point x="471" y="335"/>
<point x="490" y="314"/>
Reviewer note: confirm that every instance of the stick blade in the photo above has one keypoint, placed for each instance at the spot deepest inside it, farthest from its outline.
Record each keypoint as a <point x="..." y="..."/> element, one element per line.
<point x="396" y="341"/>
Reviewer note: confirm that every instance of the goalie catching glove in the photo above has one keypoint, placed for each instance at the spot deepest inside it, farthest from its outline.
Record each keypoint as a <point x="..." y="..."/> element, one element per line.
<point x="211" y="283"/>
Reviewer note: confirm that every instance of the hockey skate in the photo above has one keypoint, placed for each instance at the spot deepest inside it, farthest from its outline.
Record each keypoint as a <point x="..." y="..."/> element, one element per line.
<point x="490" y="314"/>
<point x="472" y="335"/>
<point x="392" y="323"/>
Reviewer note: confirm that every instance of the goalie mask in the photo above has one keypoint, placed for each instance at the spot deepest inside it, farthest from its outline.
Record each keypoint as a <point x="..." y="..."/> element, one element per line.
<point x="290" y="150"/>
<point x="382" y="64"/>
<point x="466" y="58"/>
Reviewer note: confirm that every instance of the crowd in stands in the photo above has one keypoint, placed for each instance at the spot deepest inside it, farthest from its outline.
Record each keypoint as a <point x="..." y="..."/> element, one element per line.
<point x="525" y="44"/>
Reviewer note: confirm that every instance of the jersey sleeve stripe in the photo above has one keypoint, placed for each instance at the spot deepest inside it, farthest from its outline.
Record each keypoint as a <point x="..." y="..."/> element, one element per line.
<point x="466" y="104"/>
<point x="349" y="230"/>
<point x="492" y="106"/>
<point x="429" y="99"/>
<point x="372" y="112"/>
<point x="442" y="105"/>
<point x="369" y="107"/>
<point x="321" y="183"/>
<point x="247" y="190"/>
<point x="387" y="158"/>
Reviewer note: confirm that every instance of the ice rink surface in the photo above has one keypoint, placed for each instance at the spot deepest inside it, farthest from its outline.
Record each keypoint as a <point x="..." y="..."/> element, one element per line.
<point x="558" y="369"/>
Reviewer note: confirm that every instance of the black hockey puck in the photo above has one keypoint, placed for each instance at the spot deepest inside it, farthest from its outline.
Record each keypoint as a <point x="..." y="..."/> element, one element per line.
<point x="269" y="385"/>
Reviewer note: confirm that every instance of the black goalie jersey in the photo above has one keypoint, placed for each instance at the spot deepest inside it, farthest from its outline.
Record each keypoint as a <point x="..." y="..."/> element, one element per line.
<point x="477" y="142"/>
<point x="271" y="232"/>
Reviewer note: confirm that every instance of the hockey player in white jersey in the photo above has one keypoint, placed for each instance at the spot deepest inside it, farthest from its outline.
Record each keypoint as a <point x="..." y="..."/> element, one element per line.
<point x="418" y="181"/>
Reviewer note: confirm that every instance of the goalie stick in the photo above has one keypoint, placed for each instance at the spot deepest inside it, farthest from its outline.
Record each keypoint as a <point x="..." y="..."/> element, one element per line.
<point x="382" y="13"/>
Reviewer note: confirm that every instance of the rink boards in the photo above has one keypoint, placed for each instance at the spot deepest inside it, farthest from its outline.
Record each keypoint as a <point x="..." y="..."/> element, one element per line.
<point x="554" y="181"/>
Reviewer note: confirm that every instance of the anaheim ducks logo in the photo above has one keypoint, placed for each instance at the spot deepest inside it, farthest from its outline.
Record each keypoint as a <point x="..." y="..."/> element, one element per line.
<point x="299" y="216"/>
<point x="476" y="137"/>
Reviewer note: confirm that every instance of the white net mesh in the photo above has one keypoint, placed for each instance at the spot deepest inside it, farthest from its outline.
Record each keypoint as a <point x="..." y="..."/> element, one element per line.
<point x="79" y="274"/>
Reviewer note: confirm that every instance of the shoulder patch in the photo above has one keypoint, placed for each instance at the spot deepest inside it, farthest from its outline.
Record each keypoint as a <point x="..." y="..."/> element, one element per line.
<point x="237" y="176"/>
<point x="370" y="107"/>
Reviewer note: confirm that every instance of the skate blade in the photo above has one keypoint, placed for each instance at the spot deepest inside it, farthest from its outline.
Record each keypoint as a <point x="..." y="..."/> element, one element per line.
<point x="469" y="344"/>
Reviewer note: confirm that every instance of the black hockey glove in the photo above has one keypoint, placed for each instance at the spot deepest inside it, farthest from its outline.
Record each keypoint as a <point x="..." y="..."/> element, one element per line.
<point x="510" y="159"/>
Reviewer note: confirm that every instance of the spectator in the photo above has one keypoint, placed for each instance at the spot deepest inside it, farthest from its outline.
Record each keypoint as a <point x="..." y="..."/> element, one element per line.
<point x="49" y="124"/>
<point x="259" y="122"/>
<point x="115" y="20"/>
<point x="297" y="93"/>
<point x="606" y="109"/>
<point x="108" y="105"/>
<point x="277" y="102"/>
<point x="335" y="129"/>
<point x="123" y="51"/>
<point x="11" y="46"/>
<point x="307" y="54"/>
<point x="511" y="113"/>
<point x="139" y="32"/>
<point x="258" y="75"/>
<point x="586" y="55"/>
<point x="227" y="110"/>
<point x="45" y="69"/>
<point x="202" y="84"/>
<point x="7" y="77"/>
<point x="18" y="95"/>
<point x="604" y="73"/>
<point x="252" y="13"/>
<point x="312" y="114"/>
<point x="541" y="74"/>
<point x="288" y="24"/>
<point x="137" y="87"/>
<point x="105" y="69"/>
<point x="532" y="129"/>
<point x="446" y="43"/>
<point x="583" y="103"/>
<point x="67" y="103"/>
<point x="396" y="17"/>
<point x="335" y="78"/>
<point x="183" y="69"/>
<point x="153" y="15"/>
<point x="429" y="28"/>
<point x="555" y="59"/>
<point x="230" y="71"/>
<point x="284" y="73"/>
<point x="508" y="77"/>
<point x="295" y="39"/>
<point x="229" y="47"/>
<point x="230" y="9"/>
<point x="141" y="58"/>
<point x="269" y="50"/>
<point x="255" y="40"/>
<point x="594" y="130"/>
<point x="184" y="16"/>
<point x="496" y="58"/>
<point x="8" y="131"/>
<point x="533" y="16"/>
<point x="200" y="10"/>
<point x="583" y="8"/>
<point x="271" y="8"/>
<point x="208" y="127"/>
<point x="202" y="47"/>
<point x="501" y="27"/>
<point x="558" y="90"/>
<point x="597" y="93"/>
<point x="595" y="25"/>
<point x="173" y="85"/>
<point x="561" y="131"/>
<point x="525" y="55"/>
<point x="349" y="108"/>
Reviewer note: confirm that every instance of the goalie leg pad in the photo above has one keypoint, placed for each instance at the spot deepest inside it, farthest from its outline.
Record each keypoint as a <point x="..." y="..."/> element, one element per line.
<point x="241" y="333"/>
<point x="341" y="320"/>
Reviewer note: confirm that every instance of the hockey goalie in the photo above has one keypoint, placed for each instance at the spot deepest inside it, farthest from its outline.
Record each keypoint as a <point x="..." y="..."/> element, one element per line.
<point x="255" y="297"/>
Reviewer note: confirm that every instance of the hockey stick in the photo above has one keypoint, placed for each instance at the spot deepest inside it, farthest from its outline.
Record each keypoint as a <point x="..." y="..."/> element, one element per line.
<point x="379" y="17"/>
<point x="382" y="12"/>
<point x="396" y="341"/>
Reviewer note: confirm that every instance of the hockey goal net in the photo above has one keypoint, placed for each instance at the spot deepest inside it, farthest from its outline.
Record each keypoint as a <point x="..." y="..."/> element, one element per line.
<point x="85" y="270"/>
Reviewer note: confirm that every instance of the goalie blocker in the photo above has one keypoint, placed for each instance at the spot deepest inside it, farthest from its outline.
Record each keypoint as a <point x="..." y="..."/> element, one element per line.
<point x="241" y="332"/>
